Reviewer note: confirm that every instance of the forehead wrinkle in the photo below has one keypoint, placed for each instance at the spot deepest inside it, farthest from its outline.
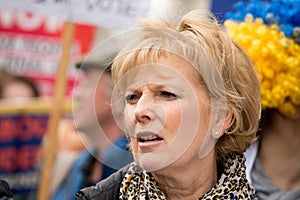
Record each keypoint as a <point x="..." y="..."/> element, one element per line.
<point x="169" y="74"/>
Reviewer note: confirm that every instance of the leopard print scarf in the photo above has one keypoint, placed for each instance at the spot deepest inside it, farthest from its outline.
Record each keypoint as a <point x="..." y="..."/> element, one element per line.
<point x="139" y="184"/>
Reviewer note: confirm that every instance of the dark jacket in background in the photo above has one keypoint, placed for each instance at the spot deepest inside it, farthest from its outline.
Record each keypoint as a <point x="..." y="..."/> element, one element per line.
<point x="5" y="192"/>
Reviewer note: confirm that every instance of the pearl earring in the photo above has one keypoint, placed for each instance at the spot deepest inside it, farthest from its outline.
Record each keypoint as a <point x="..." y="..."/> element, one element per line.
<point x="216" y="132"/>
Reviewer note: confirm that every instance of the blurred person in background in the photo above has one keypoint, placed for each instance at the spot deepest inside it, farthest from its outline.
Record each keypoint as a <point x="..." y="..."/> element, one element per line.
<point x="269" y="31"/>
<point x="15" y="86"/>
<point x="16" y="90"/>
<point x="70" y="145"/>
<point x="107" y="150"/>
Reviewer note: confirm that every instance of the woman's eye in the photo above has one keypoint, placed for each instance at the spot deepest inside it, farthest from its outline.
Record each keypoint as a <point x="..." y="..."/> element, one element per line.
<point x="168" y="95"/>
<point x="131" y="98"/>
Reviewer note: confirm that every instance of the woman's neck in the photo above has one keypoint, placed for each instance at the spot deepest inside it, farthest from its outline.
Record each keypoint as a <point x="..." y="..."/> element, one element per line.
<point x="279" y="152"/>
<point x="190" y="181"/>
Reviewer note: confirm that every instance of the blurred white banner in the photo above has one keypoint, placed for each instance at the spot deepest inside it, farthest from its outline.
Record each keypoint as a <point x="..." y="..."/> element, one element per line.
<point x="107" y="13"/>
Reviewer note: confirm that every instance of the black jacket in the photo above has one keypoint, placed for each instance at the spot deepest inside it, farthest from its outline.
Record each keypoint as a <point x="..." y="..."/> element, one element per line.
<point x="5" y="192"/>
<point x="107" y="189"/>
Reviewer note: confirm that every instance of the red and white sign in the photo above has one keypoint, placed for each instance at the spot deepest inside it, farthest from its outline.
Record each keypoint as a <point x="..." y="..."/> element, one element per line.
<point x="30" y="45"/>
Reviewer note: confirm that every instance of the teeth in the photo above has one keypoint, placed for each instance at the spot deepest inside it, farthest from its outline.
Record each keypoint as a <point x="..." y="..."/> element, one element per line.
<point x="148" y="137"/>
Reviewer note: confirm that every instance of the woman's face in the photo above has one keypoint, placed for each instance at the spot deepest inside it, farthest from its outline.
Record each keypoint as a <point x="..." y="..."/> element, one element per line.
<point x="167" y="113"/>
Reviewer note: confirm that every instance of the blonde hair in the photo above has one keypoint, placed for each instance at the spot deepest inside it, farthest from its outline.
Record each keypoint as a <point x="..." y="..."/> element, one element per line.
<point x="199" y="39"/>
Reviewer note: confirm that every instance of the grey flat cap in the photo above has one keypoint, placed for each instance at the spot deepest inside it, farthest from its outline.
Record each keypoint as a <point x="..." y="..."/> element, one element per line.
<point x="96" y="59"/>
<point x="102" y="56"/>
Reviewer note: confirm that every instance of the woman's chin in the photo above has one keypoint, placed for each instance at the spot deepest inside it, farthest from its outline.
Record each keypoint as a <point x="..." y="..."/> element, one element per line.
<point x="154" y="161"/>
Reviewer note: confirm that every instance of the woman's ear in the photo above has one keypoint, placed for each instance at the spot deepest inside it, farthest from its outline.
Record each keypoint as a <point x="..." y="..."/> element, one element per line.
<point x="222" y="122"/>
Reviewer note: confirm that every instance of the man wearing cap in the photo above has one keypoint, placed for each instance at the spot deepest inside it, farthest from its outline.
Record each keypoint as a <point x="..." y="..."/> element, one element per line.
<point x="93" y="116"/>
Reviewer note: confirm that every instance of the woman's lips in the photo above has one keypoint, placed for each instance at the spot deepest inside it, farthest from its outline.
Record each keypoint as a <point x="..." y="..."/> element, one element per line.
<point x="148" y="139"/>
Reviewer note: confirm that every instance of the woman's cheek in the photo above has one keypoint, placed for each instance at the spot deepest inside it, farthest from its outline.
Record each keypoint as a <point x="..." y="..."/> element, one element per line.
<point x="174" y="119"/>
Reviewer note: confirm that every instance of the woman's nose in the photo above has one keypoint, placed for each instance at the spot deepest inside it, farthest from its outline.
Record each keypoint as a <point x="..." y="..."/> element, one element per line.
<point x="143" y="111"/>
